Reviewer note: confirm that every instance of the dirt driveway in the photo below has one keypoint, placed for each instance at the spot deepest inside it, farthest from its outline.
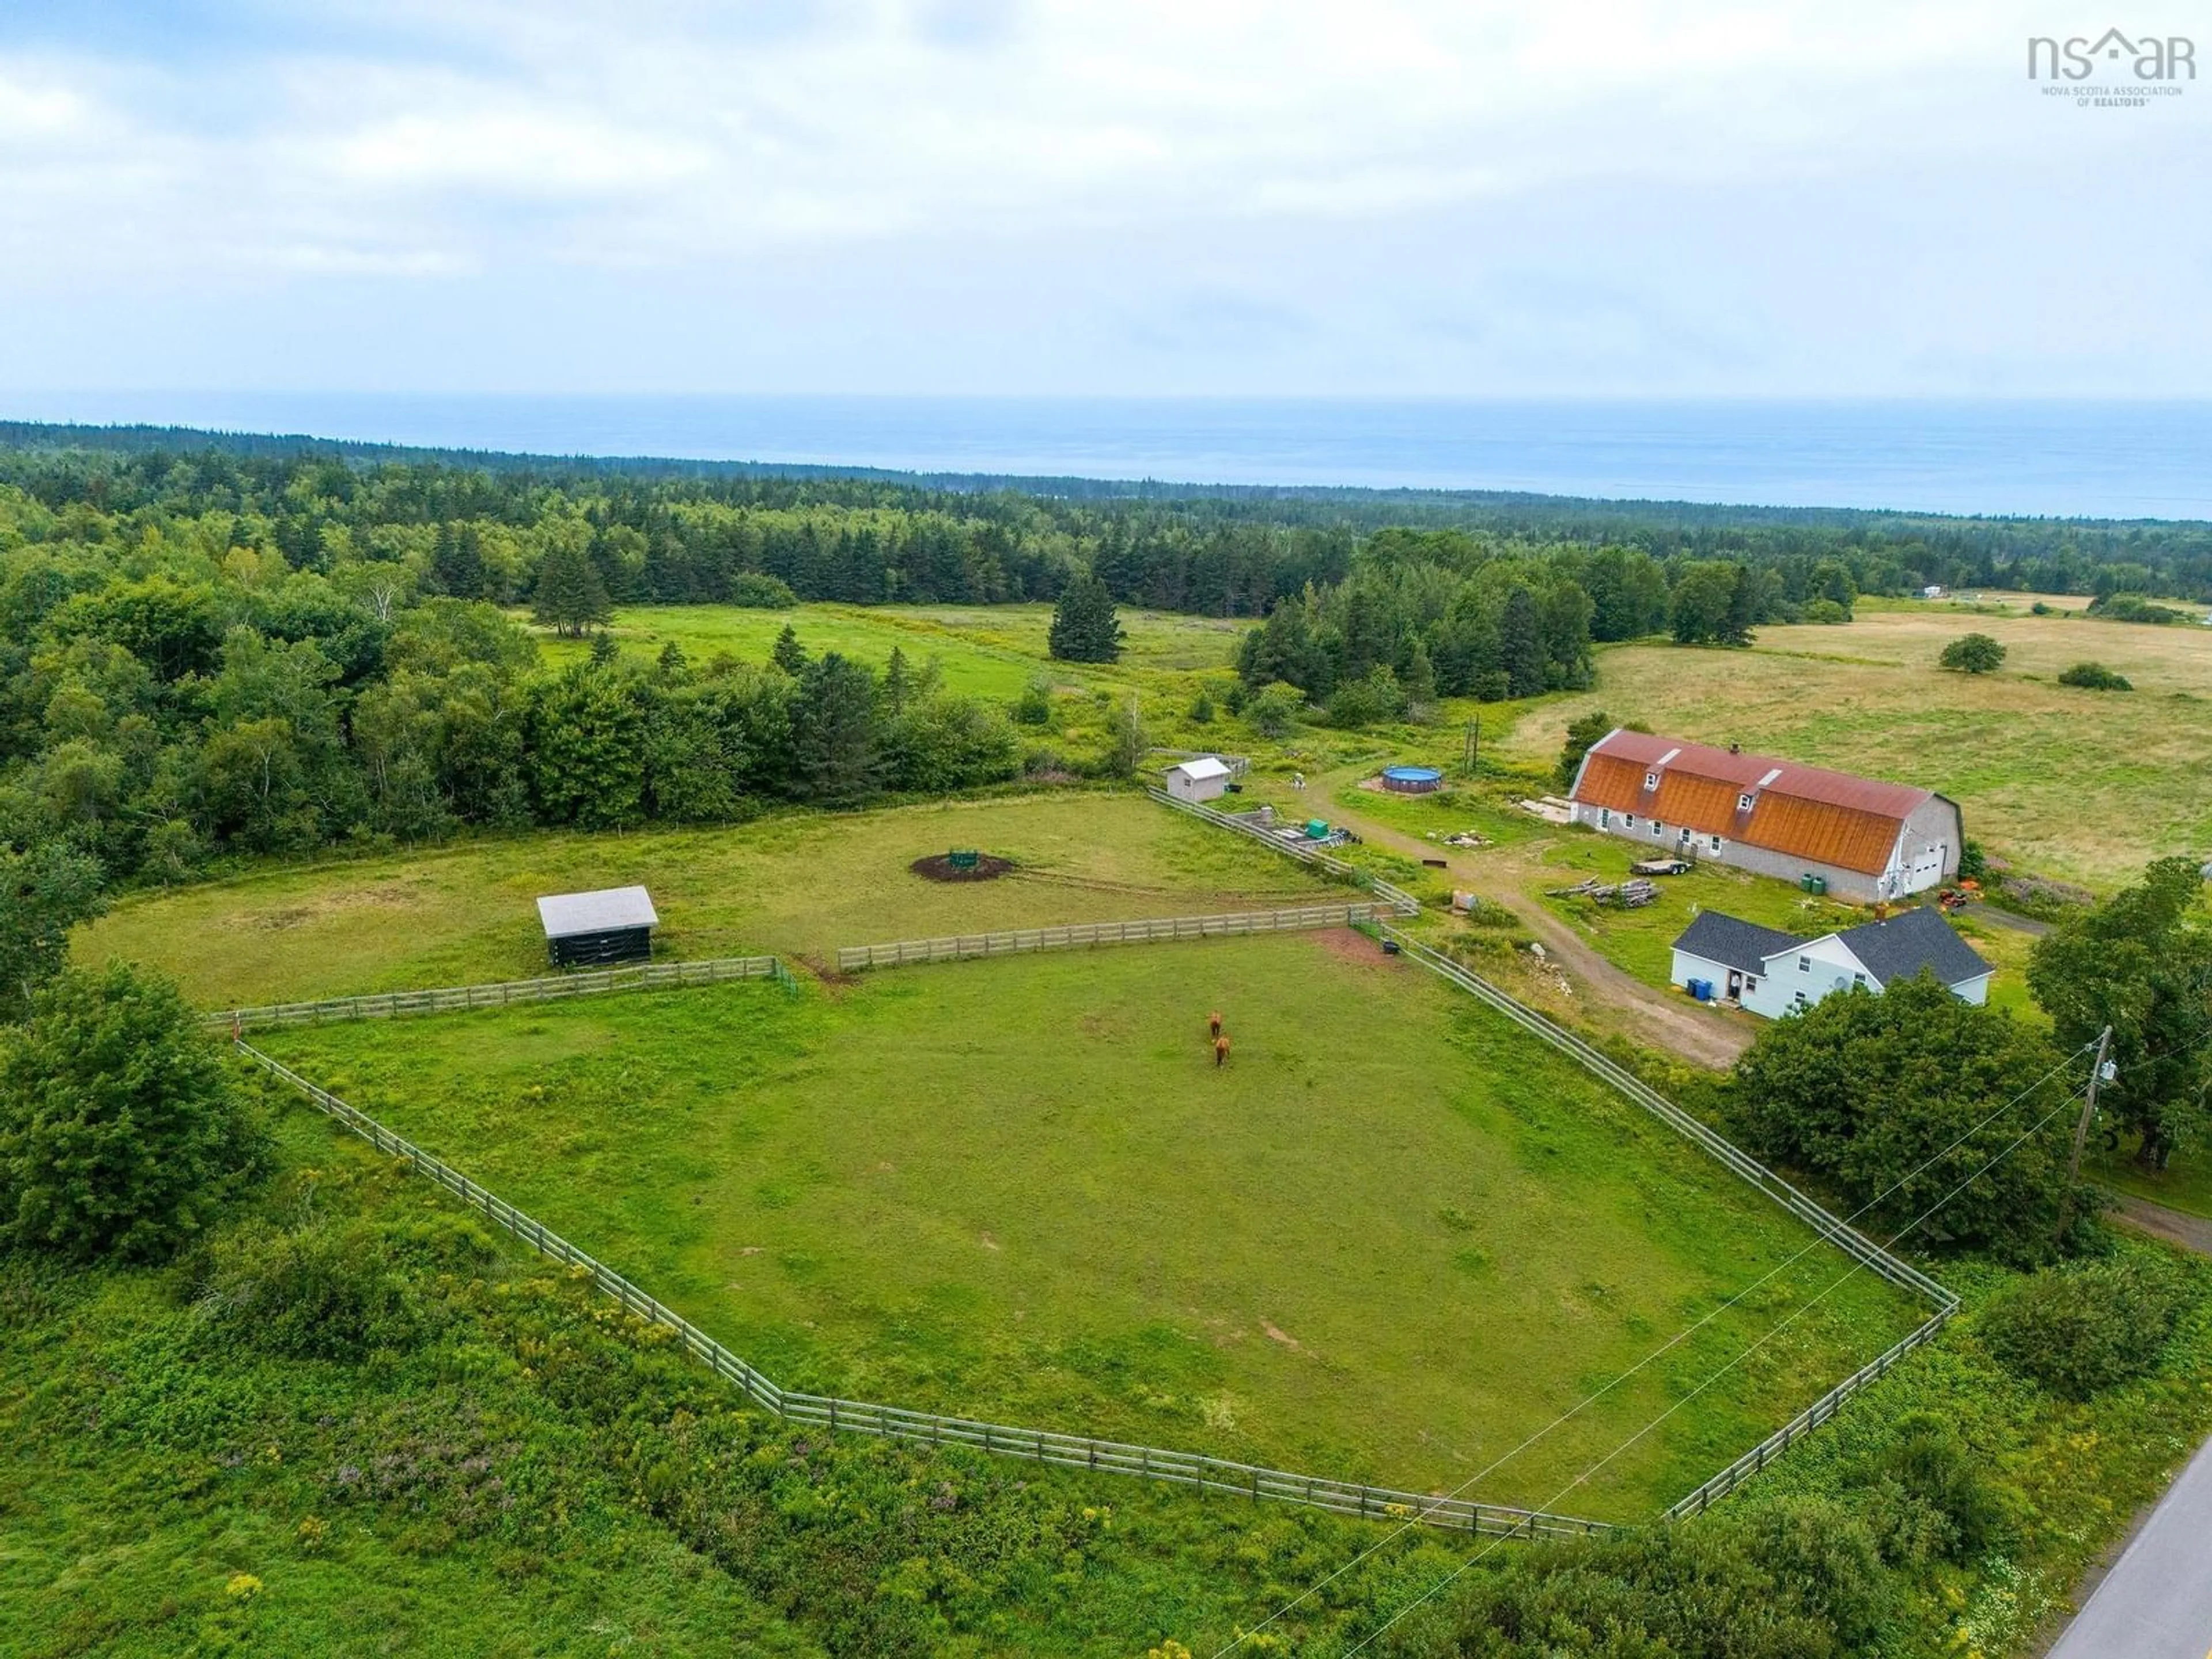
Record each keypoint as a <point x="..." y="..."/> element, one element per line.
<point x="1656" y="1018"/>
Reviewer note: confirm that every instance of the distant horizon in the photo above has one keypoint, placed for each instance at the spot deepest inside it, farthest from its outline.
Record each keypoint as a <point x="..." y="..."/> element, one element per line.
<point x="2052" y="456"/>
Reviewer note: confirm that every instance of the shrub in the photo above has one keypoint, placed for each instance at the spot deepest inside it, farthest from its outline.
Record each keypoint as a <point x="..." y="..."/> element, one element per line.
<point x="1201" y="708"/>
<point x="2082" y="1329"/>
<point x="1827" y="612"/>
<point x="121" y="1130"/>
<point x="1926" y="1496"/>
<point x="2040" y="608"/>
<point x="1273" y="707"/>
<point x="1974" y="654"/>
<point x="320" y="1293"/>
<point x="1035" y="705"/>
<point x="2094" y="677"/>
<point x="2133" y="608"/>
<point x="758" y="591"/>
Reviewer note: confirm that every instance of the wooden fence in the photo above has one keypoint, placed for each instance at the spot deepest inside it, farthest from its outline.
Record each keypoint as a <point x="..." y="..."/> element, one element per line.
<point x="1083" y="935"/>
<point x="395" y="1005"/>
<point x="1397" y="897"/>
<point x="1831" y="1227"/>
<point x="892" y="1422"/>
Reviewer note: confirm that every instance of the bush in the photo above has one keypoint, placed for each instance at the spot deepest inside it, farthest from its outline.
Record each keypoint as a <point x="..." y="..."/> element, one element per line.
<point x="320" y="1293"/>
<point x="1035" y="705"/>
<point x="2094" y="677"/>
<point x="756" y="591"/>
<point x="1201" y="707"/>
<point x="2134" y="608"/>
<point x="1826" y="612"/>
<point x="1974" y="654"/>
<point x="2040" y="608"/>
<point x="1273" y="707"/>
<point x="2082" y="1329"/>
<point x="121" y="1133"/>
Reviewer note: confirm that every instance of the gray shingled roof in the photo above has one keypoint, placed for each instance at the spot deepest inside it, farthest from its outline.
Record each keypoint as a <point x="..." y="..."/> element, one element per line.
<point x="1733" y="942"/>
<point x="566" y="914"/>
<point x="1909" y="941"/>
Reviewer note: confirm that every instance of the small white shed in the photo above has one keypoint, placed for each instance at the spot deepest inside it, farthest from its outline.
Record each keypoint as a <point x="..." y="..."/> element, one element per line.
<point x="1202" y="779"/>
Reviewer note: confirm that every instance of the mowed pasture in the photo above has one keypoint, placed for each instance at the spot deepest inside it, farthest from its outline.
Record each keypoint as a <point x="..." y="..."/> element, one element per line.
<point x="797" y="883"/>
<point x="987" y="651"/>
<point x="1392" y="1238"/>
<point x="2085" y="786"/>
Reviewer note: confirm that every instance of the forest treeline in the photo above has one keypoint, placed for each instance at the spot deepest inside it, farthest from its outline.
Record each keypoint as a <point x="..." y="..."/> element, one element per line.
<point x="220" y="652"/>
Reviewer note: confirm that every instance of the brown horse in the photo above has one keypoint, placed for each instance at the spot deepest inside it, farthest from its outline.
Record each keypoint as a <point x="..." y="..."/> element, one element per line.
<point x="1220" y="1051"/>
<point x="1213" y="1025"/>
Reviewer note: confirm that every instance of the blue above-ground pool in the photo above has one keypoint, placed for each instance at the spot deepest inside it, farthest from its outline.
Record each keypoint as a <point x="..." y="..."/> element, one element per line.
<point x="1412" y="780"/>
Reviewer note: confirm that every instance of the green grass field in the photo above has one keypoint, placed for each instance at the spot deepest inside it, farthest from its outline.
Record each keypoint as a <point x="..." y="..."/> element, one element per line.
<point x="2085" y="786"/>
<point x="987" y="651"/>
<point x="799" y="883"/>
<point x="1391" y="1239"/>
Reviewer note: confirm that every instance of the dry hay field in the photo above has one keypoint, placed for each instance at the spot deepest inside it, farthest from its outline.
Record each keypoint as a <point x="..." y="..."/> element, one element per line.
<point x="2085" y="786"/>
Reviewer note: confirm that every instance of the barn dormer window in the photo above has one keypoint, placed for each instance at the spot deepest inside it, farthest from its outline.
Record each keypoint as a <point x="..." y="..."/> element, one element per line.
<point x="1743" y="803"/>
<point x="1650" y="780"/>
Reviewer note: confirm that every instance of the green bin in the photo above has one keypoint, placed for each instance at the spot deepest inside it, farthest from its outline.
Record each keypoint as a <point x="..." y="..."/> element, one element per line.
<point x="1317" y="829"/>
<point x="1816" y="885"/>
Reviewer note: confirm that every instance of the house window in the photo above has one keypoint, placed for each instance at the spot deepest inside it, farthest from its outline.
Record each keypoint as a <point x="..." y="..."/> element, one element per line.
<point x="1604" y="817"/>
<point x="1717" y="843"/>
<point x="1657" y="828"/>
<point x="1859" y="979"/>
<point x="1685" y="834"/>
<point x="1743" y="803"/>
<point x="1804" y="964"/>
<point x="1629" y="819"/>
<point x="1650" y="780"/>
<point x="1751" y="982"/>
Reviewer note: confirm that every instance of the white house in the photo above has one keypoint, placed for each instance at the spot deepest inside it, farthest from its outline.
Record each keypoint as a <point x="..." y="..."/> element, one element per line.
<point x="1201" y="779"/>
<point x="1770" y="972"/>
<point x="1859" y="838"/>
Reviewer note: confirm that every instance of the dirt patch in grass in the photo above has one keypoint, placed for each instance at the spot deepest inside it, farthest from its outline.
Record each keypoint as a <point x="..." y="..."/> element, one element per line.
<point x="940" y="867"/>
<point x="1348" y="944"/>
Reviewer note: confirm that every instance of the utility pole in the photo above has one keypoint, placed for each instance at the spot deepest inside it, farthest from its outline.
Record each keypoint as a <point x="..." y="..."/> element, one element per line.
<point x="2098" y="1068"/>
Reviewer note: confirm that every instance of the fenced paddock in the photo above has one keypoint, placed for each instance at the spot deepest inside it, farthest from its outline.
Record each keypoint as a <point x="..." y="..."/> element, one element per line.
<point x="1196" y="1470"/>
<point x="399" y="1005"/>
<point x="1086" y="935"/>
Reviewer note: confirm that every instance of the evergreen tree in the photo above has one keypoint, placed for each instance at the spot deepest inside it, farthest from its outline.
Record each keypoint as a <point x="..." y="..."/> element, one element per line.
<point x="896" y="684"/>
<point x="789" y="655"/>
<point x="457" y="565"/>
<point x="1521" y="641"/>
<point x="570" y="596"/>
<point x="836" y="738"/>
<point x="1084" y="628"/>
<point x="1420" y="678"/>
<point x="603" y="650"/>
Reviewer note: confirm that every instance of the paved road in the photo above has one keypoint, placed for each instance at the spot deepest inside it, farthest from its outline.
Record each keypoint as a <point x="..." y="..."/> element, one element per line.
<point x="2156" y="1603"/>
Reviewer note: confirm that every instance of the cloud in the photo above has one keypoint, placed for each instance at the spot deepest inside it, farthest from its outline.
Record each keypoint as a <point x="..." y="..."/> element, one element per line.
<point x="556" y="147"/>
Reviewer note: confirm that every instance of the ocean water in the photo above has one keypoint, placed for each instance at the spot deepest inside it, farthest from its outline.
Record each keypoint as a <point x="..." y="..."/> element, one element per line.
<point x="2051" y="458"/>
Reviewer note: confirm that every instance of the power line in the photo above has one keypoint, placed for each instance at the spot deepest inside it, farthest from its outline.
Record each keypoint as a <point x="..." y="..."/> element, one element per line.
<point x="1658" y="1353"/>
<point x="1856" y="1269"/>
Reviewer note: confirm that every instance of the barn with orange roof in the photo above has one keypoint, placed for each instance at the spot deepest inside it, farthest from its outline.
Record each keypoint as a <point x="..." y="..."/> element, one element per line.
<point x="1857" y="838"/>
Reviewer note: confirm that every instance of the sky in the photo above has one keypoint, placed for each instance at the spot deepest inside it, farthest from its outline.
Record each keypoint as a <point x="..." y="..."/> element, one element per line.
<point x="1568" y="199"/>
